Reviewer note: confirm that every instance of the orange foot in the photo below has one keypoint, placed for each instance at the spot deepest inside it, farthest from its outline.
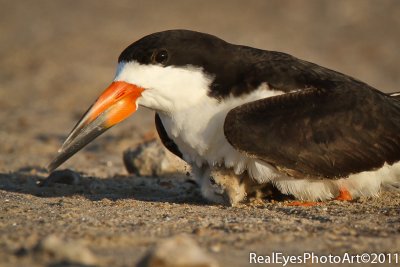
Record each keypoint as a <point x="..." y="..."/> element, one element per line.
<point x="303" y="204"/>
<point x="344" y="195"/>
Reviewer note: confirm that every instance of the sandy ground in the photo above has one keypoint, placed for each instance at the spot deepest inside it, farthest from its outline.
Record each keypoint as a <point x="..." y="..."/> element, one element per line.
<point x="57" y="56"/>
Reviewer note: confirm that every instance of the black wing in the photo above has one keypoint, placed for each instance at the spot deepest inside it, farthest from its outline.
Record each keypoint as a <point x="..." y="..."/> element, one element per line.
<point x="319" y="133"/>
<point x="167" y="142"/>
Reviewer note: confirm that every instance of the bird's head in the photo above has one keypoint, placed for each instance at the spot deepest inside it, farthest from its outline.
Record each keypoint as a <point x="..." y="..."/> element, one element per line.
<point x="166" y="71"/>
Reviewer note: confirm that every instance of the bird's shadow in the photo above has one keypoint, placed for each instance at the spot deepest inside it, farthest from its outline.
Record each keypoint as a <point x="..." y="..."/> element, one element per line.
<point x="170" y="188"/>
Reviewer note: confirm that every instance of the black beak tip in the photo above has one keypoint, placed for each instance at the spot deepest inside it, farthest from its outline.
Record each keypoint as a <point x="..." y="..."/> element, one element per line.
<point x="54" y="164"/>
<point x="90" y="132"/>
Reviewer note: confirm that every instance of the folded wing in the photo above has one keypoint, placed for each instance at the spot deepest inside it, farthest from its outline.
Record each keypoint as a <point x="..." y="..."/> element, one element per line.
<point x="319" y="133"/>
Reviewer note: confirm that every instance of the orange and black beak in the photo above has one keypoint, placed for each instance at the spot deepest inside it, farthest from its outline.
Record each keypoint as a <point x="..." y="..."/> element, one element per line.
<point x="114" y="105"/>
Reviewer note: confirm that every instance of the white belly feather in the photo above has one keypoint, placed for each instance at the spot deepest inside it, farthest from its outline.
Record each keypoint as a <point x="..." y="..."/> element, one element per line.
<point x="198" y="131"/>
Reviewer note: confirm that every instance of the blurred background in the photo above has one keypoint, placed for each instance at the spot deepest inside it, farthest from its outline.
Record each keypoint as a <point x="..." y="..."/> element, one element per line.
<point x="57" y="56"/>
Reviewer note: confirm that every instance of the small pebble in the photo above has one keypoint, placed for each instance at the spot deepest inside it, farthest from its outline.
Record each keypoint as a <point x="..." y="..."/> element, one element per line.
<point x="151" y="159"/>
<point x="96" y="187"/>
<point x="215" y="248"/>
<point x="62" y="177"/>
<point x="21" y="252"/>
<point x="178" y="251"/>
<point x="66" y="251"/>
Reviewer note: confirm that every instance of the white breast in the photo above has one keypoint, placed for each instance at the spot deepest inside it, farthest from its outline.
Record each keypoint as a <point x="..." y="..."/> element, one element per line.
<point x="198" y="130"/>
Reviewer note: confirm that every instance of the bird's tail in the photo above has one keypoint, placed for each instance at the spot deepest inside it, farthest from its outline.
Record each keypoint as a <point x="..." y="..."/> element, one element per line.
<point x="395" y="95"/>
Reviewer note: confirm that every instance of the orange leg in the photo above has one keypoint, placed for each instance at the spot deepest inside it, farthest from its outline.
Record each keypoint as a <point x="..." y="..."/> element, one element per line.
<point x="303" y="204"/>
<point x="344" y="195"/>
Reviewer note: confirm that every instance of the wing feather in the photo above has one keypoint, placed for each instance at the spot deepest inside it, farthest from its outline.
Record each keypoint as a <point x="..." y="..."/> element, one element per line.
<point x="319" y="133"/>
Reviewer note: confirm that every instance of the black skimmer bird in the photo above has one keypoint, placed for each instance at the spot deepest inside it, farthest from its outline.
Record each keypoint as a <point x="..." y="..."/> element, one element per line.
<point x="313" y="132"/>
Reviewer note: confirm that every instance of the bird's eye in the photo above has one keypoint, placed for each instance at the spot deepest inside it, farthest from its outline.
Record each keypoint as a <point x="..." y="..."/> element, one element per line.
<point x="160" y="56"/>
<point x="212" y="181"/>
